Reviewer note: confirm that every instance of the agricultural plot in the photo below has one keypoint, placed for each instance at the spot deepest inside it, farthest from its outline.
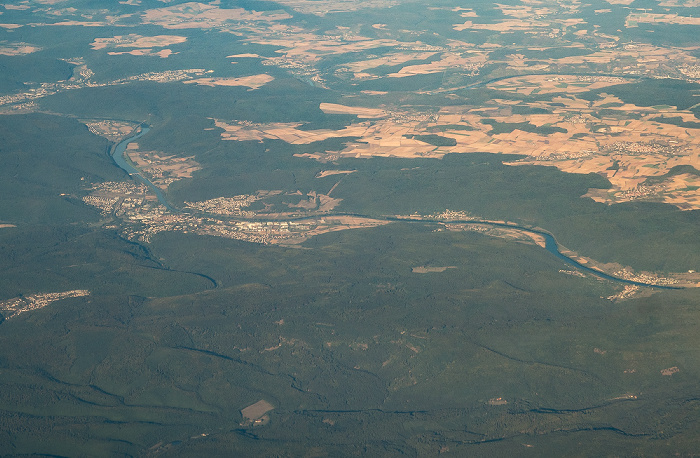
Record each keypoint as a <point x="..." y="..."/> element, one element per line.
<point x="340" y="228"/>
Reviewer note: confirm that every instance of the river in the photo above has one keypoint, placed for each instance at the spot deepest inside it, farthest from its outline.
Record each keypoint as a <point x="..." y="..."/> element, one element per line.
<point x="551" y="244"/>
<point x="120" y="159"/>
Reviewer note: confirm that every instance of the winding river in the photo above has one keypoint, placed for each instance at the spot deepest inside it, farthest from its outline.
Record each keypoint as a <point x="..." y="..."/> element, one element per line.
<point x="120" y="159"/>
<point x="551" y="244"/>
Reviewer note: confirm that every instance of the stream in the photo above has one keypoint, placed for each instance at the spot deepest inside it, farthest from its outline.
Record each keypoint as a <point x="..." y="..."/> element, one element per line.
<point x="551" y="244"/>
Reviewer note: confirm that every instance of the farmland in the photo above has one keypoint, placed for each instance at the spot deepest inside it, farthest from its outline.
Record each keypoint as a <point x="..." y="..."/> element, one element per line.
<point x="341" y="228"/>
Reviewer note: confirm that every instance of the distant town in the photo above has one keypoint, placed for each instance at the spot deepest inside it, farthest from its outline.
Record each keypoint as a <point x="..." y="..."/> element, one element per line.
<point x="22" y="304"/>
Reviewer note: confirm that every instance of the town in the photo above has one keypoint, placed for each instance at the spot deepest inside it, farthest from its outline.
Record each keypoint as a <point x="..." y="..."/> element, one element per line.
<point x="19" y="305"/>
<point x="82" y="78"/>
<point x="140" y="216"/>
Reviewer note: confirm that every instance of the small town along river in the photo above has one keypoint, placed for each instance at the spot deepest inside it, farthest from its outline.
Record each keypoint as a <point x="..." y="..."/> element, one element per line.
<point x="120" y="159"/>
<point x="551" y="244"/>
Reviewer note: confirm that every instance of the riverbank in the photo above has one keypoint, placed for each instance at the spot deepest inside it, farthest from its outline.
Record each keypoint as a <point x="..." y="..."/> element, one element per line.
<point x="120" y="160"/>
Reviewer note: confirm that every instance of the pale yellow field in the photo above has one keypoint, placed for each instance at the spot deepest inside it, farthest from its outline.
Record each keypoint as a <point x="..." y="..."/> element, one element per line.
<point x="390" y="59"/>
<point x="287" y="132"/>
<point x="523" y="11"/>
<point x="17" y="49"/>
<point x="641" y="148"/>
<point x="676" y="3"/>
<point x="201" y="15"/>
<point x="253" y="81"/>
<point x="548" y="84"/>
<point x="474" y="61"/>
<point x="323" y="7"/>
<point x="640" y="59"/>
<point x="360" y="112"/>
<point x="79" y="23"/>
<point x="650" y="18"/>
<point x="137" y="41"/>
<point x="503" y="26"/>
<point x="234" y="56"/>
<point x="163" y="53"/>
<point x="326" y="173"/>
<point x="307" y="47"/>
<point x="162" y="169"/>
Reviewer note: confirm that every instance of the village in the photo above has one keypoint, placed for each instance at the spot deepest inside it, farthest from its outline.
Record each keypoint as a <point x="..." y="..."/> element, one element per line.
<point x="22" y="304"/>
<point x="140" y="216"/>
<point x="463" y="221"/>
<point x="644" y="277"/>
<point x="82" y="78"/>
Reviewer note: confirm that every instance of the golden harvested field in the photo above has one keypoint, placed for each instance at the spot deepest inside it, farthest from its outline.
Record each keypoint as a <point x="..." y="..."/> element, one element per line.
<point x="635" y="18"/>
<point x="243" y="56"/>
<point x="323" y="7"/>
<point x="677" y="3"/>
<point x="308" y="47"/>
<point x="326" y="173"/>
<point x="201" y="15"/>
<point x="580" y="142"/>
<point x="80" y="23"/>
<point x="137" y="41"/>
<point x="253" y="81"/>
<point x="162" y="169"/>
<point x="360" y="112"/>
<point x="17" y="49"/>
<point x="549" y="84"/>
<point x="287" y="132"/>
<point x="389" y="59"/>
<point x="163" y="53"/>
<point x="503" y="26"/>
<point x="474" y="61"/>
<point x="640" y="58"/>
